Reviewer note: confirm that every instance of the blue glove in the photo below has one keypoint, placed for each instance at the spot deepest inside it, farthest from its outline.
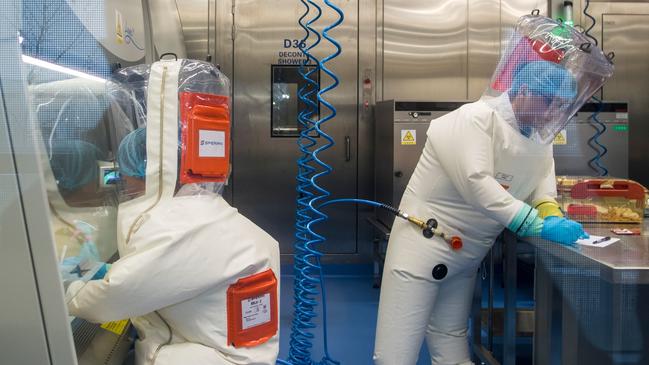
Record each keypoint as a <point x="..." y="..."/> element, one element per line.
<point x="103" y="270"/>
<point x="562" y="230"/>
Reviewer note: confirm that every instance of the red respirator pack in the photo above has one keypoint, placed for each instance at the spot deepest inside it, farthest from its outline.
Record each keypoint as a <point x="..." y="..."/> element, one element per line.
<point x="205" y="137"/>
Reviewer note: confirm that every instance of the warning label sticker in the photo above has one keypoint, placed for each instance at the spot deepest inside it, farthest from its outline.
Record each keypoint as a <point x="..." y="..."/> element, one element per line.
<point x="116" y="327"/>
<point x="255" y="311"/>
<point x="212" y="143"/>
<point x="561" y="138"/>
<point x="408" y="137"/>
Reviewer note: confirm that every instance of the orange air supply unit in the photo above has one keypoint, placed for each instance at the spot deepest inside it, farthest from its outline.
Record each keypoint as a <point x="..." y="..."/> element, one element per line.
<point x="252" y="310"/>
<point x="205" y="138"/>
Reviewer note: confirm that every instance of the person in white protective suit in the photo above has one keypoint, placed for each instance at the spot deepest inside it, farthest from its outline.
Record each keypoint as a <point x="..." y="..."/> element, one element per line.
<point x="480" y="165"/>
<point x="198" y="280"/>
<point x="70" y="116"/>
<point x="82" y="216"/>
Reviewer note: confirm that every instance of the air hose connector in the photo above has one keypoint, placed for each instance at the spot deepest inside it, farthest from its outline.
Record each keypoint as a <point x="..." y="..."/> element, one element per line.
<point x="430" y="230"/>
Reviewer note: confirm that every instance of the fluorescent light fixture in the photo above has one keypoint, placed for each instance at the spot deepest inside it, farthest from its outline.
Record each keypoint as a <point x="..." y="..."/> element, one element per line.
<point x="61" y="69"/>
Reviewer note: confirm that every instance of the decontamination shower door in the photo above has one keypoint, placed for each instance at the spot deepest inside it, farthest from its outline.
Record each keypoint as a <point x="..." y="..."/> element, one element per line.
<point x="266" y="39"/>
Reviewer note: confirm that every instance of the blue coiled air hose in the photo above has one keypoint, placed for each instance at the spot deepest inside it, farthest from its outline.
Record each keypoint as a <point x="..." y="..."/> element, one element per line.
<point x="592" y="25"/>
<point x="596" y="162"/>
<point x="307" y="265"/>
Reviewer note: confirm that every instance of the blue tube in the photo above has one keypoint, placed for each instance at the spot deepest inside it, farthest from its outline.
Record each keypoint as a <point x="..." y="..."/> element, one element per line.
<point x="594" y="21"/>
<point x="361" y="201"/>
<point x="596" y="162"/>
<point x="311" y="197"/>
<point x="305" y="285"/>
<point x="325" y="169"/>
<point x="308" y="281"/>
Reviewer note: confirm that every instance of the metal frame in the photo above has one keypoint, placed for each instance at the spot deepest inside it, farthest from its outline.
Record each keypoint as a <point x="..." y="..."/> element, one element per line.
<point x="509" y="343"/>
<point x="380" y="240"/>
<point x="20" y="321"/>
<point x="35" y="327"/>
<point x="485" y="354"/>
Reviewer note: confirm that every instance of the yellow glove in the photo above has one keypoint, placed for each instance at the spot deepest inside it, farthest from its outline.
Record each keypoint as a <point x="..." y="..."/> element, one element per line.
<point x="547" y="207"/>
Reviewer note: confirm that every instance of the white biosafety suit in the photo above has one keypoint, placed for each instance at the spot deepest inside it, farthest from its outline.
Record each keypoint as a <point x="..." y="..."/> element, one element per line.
<point x="181" y="252"/>
<point x="474" y="190"/>
<point x="479" y="164"/>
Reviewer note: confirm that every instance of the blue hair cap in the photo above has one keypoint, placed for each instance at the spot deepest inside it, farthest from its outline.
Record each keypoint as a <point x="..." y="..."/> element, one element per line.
<point x="546" y="79"/>
<point x="131" y="154"/>
<point x="74" y="163"/>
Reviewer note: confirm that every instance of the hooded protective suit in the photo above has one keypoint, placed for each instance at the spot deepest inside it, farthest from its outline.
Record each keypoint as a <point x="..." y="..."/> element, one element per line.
<point x="480" y="163"/>
<point x="198" y="280"/>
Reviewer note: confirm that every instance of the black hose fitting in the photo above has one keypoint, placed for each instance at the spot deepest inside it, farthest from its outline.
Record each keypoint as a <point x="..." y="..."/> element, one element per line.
<point x="431" y="226"/>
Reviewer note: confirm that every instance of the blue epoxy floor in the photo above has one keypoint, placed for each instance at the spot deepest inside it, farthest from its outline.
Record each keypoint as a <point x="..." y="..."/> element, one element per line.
<point x="352" y="306"/>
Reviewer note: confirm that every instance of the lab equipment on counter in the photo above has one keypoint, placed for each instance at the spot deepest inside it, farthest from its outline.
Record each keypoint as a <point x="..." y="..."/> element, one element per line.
<point x="596" y="200"/>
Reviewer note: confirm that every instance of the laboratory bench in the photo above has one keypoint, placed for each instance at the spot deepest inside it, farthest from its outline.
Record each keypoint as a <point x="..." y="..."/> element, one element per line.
<point x="591" y="304"/>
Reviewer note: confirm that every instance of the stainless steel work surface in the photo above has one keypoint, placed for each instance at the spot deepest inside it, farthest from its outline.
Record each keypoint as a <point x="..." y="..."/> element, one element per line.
<point x="591" y="302"/>
<point x="625" y="261"/>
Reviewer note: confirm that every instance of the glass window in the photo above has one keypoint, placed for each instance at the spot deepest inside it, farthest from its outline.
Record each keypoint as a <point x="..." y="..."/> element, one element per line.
<point x="287" y="84"/>
<point x="68" y="58"/>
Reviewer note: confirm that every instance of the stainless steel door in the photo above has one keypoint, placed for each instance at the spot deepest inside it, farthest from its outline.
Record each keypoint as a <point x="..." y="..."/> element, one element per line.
<point x="266" y="33"/>
<point x="628" y="37"/>
<point x="425" y="49"/>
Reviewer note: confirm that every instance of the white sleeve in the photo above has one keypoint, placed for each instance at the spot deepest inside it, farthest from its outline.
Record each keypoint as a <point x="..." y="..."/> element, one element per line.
<point x="171" y="262"/>
<point x="135" y="285"/>
<point x="182" y="252"/>
<point x="547" y="187"/>
<point x="466" y="153"/>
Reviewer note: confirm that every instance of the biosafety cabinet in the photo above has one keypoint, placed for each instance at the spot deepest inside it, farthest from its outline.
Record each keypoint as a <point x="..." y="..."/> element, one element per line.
<point x="400" y="136"/>
<point x="55" y="59"/>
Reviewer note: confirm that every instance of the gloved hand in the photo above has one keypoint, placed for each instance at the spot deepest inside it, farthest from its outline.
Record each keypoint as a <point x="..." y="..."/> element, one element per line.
<point x="103" y="270"/>
<point x="562" y="230"/>
<point x="527" y="223"/>
<point x="547" y="207"/>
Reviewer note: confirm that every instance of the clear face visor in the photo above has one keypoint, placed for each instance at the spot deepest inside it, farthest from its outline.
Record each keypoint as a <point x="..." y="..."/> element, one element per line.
<point x="547" y="72"/>
<point x="71" y="118"/>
